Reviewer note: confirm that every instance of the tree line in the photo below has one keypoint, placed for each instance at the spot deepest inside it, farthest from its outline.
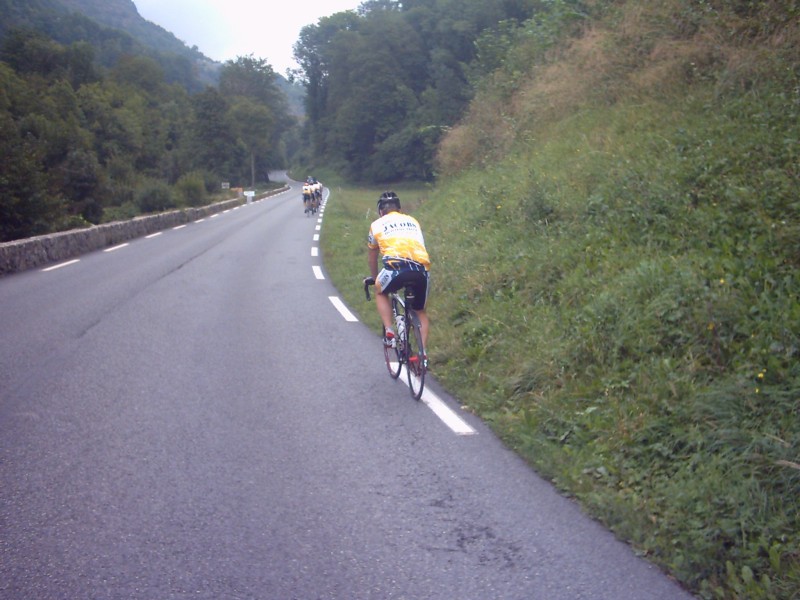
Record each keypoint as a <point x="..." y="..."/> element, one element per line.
<point x="385" y="82"/>
<point x="95" y="128"/>
<point x="83" y="143"/>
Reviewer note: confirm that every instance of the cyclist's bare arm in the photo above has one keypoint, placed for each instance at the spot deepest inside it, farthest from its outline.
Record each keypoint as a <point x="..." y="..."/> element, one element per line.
<point x="372" y="261"/>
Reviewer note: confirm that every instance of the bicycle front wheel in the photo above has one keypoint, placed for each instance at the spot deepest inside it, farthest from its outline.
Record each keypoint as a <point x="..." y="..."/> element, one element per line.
<point x="392" y="356"/>
<point x="416" y="367"/>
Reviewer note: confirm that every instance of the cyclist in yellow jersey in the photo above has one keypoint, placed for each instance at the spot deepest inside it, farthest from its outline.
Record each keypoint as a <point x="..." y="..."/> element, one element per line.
<point x="397" y="238"/>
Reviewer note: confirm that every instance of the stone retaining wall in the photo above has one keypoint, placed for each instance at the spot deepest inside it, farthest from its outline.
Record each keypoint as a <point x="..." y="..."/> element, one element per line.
<point x="30" y="253"/>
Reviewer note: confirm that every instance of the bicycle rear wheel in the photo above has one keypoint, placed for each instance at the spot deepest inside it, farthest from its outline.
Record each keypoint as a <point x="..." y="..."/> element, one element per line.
<point x="416" y="367"/>
<point x="392" y="356"/>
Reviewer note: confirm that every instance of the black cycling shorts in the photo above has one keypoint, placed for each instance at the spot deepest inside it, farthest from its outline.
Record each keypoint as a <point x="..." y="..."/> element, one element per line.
<point x="408" y="273"/>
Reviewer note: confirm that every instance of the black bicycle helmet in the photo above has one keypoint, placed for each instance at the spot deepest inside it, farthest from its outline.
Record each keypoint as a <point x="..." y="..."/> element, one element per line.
<point x="388" y="198"/>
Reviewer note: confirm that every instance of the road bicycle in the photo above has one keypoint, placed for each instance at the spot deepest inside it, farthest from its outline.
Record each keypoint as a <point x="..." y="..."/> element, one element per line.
<point x="310" y="205"/>
<point x="408" y="349"/>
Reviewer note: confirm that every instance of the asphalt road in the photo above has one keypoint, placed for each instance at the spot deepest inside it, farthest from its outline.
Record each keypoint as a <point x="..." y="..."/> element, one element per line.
<point x="190" y="416"/>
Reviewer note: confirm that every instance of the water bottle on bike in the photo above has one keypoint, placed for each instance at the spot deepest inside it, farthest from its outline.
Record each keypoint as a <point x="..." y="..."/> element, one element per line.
<point x="400" y="321"/>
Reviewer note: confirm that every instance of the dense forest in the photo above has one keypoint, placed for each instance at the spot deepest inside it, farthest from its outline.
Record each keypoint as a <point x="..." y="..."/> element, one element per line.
<point x="105" y="116"/>
<point x="386" y="82"/>
<point x="95" y="126"/>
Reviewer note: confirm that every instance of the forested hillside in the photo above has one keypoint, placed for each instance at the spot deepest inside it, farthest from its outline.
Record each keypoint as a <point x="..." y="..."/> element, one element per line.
<point x="95" y="126"/>
<point x="615" y="237"/>
<point x="123" y="15"/>
<point x="384" y="83"/>
<point x="114" y="28"/>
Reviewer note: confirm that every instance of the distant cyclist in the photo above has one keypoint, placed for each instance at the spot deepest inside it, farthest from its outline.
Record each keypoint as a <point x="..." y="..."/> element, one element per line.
<point x="308" y="195"/>
<point x="317" y="189"/>
<point x="397" y="238"/>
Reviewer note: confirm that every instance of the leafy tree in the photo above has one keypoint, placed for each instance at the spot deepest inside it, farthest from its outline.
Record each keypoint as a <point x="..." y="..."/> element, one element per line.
<point x="140" y="72"/>
<point x="79" y="178"/>
<point x="30" y="52"/>
<point x="212" y="144"/>
<point x="374" y="6"/>
<point x="384" y="82"/>
<point x="80" y="64"/>
<point x="26" y="208"/>
<point x="313" y="53"/>
<point x="252" y="78"/>
<point x="493" y="45"/>
<point x="252" y="85"/>
<point x="110" y="116"/>
<point x="252" y="123"/>
<point x="374" y="86"/>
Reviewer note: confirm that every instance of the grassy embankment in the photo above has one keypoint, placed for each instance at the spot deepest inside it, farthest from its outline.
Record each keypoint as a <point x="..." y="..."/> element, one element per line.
<point x="616" y="286"/>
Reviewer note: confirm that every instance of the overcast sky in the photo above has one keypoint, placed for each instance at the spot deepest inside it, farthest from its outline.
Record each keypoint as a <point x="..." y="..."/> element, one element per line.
<point x="225" y="29"/>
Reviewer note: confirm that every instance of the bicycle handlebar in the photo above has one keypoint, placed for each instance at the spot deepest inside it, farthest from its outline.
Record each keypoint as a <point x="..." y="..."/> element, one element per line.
<point x="368" y="281"/>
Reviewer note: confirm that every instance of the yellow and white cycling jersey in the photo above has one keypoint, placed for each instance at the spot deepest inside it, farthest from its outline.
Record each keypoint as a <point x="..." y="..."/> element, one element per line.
<point x="398" y="236"/>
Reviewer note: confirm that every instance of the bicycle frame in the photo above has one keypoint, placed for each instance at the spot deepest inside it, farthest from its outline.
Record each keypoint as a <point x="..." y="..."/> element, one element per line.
<point x="309" y="204"/>
<point x="409" y="349"/>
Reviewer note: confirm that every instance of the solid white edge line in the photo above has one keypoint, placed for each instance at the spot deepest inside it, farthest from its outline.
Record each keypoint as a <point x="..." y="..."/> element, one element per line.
<point x="445" y="413"/>
<point x="318" y="272"/>
<point x="114" y="248"/>
<point x="343" y="310"/>
<point x="61" y="265"/>
<point x="441" y="410"/>
<point x="456" y="424"/>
